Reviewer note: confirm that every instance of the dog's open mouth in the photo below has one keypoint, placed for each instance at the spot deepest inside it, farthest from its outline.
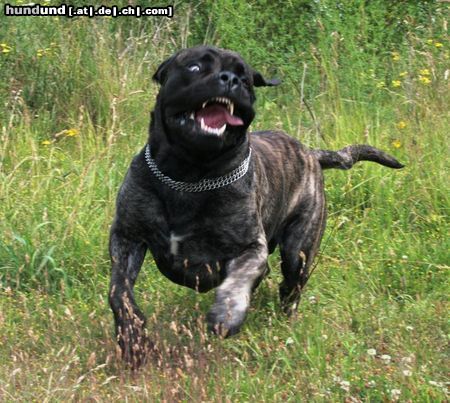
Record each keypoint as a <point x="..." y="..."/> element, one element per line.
<point x="215" y="114"/>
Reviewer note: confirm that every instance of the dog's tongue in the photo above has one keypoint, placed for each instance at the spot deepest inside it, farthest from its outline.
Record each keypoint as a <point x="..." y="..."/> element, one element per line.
<point x="216" y="116"/>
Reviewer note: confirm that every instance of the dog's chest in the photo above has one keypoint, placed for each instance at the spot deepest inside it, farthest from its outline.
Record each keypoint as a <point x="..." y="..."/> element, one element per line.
<point x="198" y="240"/>
<point x="211" y="229"/>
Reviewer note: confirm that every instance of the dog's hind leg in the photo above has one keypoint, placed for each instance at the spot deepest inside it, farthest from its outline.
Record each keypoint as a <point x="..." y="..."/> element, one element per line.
<point x="299" y="245"/>
<point x="127" y="258"/>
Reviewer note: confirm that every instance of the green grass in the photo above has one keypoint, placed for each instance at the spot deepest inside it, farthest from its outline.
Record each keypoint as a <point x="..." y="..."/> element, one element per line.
<point x="76" y="100"/>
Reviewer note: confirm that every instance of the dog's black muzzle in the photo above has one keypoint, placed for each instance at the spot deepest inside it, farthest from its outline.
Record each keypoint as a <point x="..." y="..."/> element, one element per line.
<point x="229" y="81"/>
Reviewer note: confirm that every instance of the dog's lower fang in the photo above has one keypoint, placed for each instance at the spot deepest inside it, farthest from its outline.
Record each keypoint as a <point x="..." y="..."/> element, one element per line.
<point x="211" y="130"/>
<point x="221" y="130"/>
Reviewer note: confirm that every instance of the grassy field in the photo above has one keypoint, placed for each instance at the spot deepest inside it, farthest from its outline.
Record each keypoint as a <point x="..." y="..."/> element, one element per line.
<point x="373" y="322"/>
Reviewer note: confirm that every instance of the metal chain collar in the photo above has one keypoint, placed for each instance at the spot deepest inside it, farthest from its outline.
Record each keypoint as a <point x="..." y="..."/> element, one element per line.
<point x="204" y="184"/>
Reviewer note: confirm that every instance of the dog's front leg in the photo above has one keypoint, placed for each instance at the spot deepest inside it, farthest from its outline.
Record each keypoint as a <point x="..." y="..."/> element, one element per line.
<point x="127" y="258"/>
<point x="233" y="295"/>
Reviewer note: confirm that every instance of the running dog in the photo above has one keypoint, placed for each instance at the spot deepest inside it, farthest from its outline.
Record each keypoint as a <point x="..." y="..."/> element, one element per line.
<point x="211" y="201"/>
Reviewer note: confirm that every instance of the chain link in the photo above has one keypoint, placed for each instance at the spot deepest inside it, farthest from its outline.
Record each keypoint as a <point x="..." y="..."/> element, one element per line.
<point x="204" y="184"/>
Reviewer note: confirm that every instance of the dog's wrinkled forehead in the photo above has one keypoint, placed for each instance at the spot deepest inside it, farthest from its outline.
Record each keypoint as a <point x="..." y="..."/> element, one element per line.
<point x="223" y="59"/>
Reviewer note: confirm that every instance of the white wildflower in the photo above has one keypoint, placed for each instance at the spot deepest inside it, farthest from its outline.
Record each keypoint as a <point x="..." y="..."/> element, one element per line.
<point x="345" y="385"/>
<point x="395" y="394"/>
<point x="408" y="360"/>
<point x="372" y="352"/>
<point x="407" y="372"/>
<point x="289" y="340"/>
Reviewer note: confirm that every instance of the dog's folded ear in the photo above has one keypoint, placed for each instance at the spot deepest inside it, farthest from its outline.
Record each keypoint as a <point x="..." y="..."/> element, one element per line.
<point x="161" y="73"/>
<point x="260" y="81"/>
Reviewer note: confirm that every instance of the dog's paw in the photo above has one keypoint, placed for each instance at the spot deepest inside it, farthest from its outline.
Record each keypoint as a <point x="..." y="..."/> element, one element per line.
<point x="224" y="322"/>
<point x="290" y="299"/>
<point x="133" y="342"/>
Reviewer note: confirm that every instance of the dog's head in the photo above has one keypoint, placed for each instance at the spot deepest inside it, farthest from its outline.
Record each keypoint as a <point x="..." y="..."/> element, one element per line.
<point x="206" y="96"/>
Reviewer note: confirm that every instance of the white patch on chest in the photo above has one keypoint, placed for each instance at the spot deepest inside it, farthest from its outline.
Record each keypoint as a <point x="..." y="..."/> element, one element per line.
<point x="175" y="243"/>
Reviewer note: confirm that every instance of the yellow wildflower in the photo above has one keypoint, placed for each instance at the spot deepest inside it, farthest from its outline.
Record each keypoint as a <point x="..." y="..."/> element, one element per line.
<point x="396" y="83"/>
<point x="424" y="80"/>
<point x="71" y="132"/>
<point x="438" y="44"/>
<point x="403" y="74"/>
<point x="430" y="41"/>
<point x="424" y="72"/>
<point x="47" y="51"/>
<point x="396" y="144"/>
<point x="5" y="48"/>
<point x="401" y="125"/>
<point x="381" y="84"/>
<point x="46" y="142"/>
<point x="395" y="56"/>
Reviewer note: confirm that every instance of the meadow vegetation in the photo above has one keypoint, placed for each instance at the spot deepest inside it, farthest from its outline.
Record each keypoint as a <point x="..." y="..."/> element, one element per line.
<point x="372" y="325"/>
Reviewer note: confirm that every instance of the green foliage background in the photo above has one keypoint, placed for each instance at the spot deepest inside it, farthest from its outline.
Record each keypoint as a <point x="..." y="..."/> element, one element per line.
<point x="76" y="96"/>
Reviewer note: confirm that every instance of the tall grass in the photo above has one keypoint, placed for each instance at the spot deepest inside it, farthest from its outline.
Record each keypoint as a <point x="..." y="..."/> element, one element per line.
<point x="76" y="101"/>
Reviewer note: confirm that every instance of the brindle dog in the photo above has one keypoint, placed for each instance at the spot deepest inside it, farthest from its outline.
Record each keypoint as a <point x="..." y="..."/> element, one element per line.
<point x="212" y="201"/>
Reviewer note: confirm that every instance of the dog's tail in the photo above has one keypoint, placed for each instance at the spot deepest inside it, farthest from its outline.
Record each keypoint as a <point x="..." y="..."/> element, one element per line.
<point x="348" y="156"/>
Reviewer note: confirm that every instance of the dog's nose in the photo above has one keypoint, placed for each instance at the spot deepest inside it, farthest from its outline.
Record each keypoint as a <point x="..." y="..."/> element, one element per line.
<point x="229" y="79"/>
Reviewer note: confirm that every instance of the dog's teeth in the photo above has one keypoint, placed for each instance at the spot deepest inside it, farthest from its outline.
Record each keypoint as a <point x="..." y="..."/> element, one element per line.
<point x="204" y="104"/>
<point x="192" y="116"/>
<point x="222" y="100"/>
<point x="212" y="130"/>
<point x="231" y="107"/>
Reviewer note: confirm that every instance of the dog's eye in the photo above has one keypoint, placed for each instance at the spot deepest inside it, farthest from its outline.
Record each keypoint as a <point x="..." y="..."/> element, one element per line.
<point x="194" y="67"/>
<point x="245" y="81"/>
